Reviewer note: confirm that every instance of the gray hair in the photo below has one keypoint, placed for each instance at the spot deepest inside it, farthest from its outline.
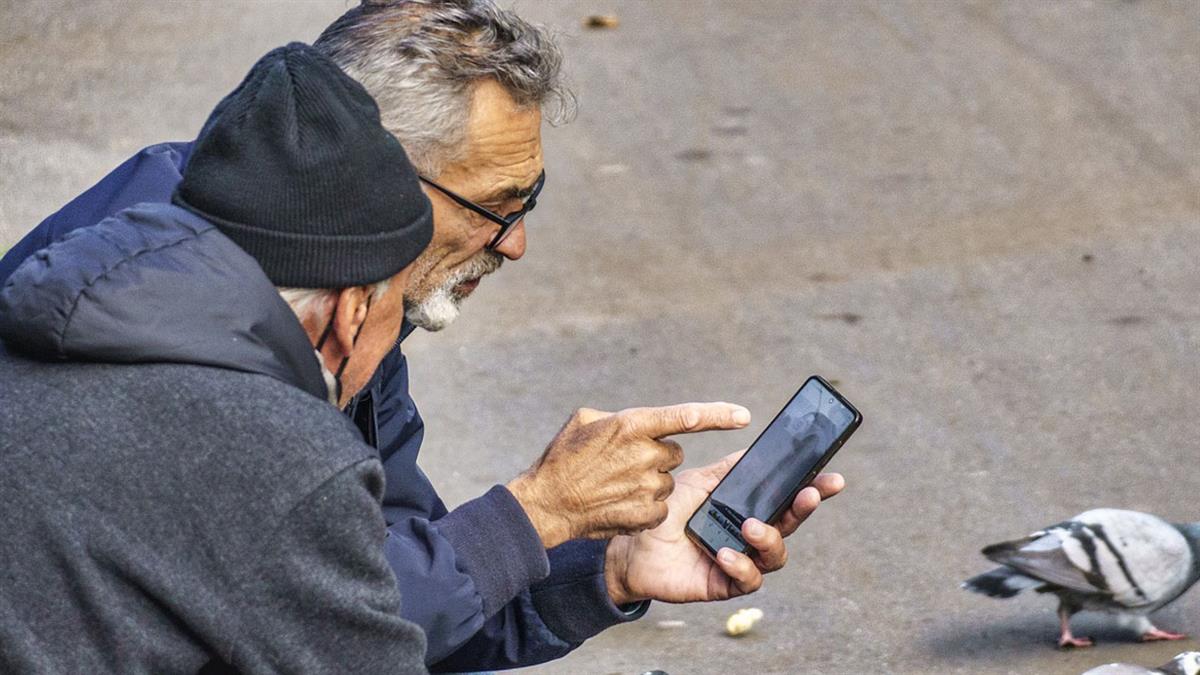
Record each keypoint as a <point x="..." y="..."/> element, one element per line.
<point x="420" y="59"/>
<point x="307" y="302"/>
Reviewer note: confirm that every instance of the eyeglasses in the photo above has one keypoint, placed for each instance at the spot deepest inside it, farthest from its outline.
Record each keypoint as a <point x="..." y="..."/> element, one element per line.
<point x="506" y="223"/>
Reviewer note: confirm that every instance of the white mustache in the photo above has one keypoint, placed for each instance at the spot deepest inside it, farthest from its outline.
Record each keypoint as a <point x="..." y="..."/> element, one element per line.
<point x="482" y="264"/>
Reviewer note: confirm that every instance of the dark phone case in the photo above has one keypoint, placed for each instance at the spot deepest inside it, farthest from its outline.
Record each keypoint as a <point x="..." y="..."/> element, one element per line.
<point x="722" y="534"/>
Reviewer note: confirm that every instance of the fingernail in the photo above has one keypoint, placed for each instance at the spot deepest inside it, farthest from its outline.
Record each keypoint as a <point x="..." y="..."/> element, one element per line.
<point x="755" y="528"/>
<point x="726" y="555"/>
<point x="741" y="416"/>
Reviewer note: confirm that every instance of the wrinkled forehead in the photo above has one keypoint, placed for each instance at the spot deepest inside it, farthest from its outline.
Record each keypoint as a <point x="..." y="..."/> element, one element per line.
<point x="504" y="143"/>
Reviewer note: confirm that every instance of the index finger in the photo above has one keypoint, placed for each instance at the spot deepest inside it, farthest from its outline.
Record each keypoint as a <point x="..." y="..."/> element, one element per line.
<point x="682" y="419"/>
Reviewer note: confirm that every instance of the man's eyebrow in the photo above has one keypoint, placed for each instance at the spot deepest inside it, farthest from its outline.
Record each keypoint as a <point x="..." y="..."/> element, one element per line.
<point x="509" y="192"/>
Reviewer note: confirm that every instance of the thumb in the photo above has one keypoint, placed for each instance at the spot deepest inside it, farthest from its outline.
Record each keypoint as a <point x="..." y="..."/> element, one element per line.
<point x="722" y="466"/>
<point x="707" y="477"/>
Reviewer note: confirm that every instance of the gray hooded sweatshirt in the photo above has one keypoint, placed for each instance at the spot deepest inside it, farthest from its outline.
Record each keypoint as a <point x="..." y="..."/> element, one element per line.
<point x="177" y="493"/>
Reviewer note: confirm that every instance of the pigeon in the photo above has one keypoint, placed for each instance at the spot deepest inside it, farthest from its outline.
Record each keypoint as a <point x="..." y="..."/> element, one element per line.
<point x="1187" y="663"/>
<point x="1125" y="563"/>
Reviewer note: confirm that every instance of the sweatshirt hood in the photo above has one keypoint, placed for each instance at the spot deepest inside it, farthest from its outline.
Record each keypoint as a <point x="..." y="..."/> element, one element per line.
<point x="155" y="284"/>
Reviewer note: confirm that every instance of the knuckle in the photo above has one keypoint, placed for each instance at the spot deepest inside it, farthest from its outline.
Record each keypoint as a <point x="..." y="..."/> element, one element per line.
<point x="674" y="454"/>
<point x="623" y="522"/>
<point x="688" y="416"/>
<point x="676" y="459"/>
<point x="667" y="485"/>
<point x="648" y="502"/>
<point x="625" y="422"/>
<point x="649" y="454"/>
<point x="587" y="415"/>
<point x="660" y="514"/>
<point x="649" y="485"/>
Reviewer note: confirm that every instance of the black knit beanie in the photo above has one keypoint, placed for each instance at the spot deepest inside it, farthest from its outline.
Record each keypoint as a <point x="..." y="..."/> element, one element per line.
<point x="295" y="167"/>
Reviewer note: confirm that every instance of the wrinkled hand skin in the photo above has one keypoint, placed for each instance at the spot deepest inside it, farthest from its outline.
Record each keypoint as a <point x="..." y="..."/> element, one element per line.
<point x="606" y="474"/>
<point x="663" y="564"/>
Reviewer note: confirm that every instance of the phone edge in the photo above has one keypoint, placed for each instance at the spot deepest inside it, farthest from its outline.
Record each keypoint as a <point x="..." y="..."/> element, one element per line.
<point x="855" y="423"/>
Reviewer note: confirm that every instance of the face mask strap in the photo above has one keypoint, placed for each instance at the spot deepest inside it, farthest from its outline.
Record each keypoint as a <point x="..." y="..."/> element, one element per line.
<point x="327" y="331"/>
<point x="337" y="377"/>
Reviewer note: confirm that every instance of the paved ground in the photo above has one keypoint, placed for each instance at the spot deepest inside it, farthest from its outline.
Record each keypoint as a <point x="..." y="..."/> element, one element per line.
<point x="982" y="219"/>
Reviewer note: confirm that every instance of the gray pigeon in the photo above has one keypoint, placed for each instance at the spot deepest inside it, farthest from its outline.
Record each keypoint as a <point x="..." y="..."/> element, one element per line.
<point x="1187" y="663"/>
<point x="1121" y="562"/>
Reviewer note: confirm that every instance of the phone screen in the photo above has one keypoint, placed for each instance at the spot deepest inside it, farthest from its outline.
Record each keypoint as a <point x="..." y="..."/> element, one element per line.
<point x="795" y="441"/>
<point x="784" y="458"/>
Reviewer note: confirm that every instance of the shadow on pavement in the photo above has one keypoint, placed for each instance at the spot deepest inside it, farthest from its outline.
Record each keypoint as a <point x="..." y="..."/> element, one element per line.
<point x="1030" y="640"/>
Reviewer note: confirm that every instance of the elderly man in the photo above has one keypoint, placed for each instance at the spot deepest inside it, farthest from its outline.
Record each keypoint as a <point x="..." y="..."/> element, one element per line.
<point x="179" y="491"/>
<point x="463" y="84"/>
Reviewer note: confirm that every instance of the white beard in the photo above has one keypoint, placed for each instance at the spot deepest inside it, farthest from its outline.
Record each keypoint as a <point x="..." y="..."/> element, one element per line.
<point x="435" y="312"/>
<point x="441" y="307"/>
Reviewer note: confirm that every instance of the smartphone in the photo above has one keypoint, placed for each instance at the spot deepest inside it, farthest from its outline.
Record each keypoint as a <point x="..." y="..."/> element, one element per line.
<point x="784" y="459"/>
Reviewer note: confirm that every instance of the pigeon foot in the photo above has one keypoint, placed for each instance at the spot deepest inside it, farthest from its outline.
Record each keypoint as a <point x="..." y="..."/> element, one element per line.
<point x="1071" y="642"/>
<point x="1065" y="639"/>
<point x="1158" y="634"/>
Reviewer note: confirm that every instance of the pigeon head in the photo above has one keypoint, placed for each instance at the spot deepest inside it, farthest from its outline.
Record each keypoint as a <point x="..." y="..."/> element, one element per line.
<point x="1191" y="531"/>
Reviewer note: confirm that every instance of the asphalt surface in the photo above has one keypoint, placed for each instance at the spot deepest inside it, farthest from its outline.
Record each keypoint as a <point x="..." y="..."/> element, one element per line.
<point x="981" y="219"/>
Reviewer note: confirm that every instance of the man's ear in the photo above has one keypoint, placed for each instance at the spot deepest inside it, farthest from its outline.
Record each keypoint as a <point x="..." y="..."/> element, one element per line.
<point x="350" y="315"/>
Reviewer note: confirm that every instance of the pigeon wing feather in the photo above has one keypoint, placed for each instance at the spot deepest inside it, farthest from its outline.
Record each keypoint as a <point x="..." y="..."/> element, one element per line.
<point x="1053" y="555"/>
<point x="1134" y="559"/>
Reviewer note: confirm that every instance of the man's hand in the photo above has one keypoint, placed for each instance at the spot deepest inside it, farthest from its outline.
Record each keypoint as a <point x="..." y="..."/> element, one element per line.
<point x="606" y="474"/>
<point x="663" y="564"/>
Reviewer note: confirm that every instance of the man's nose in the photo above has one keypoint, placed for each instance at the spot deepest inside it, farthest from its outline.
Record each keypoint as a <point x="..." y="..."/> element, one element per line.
<point x="513" y="246"/>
